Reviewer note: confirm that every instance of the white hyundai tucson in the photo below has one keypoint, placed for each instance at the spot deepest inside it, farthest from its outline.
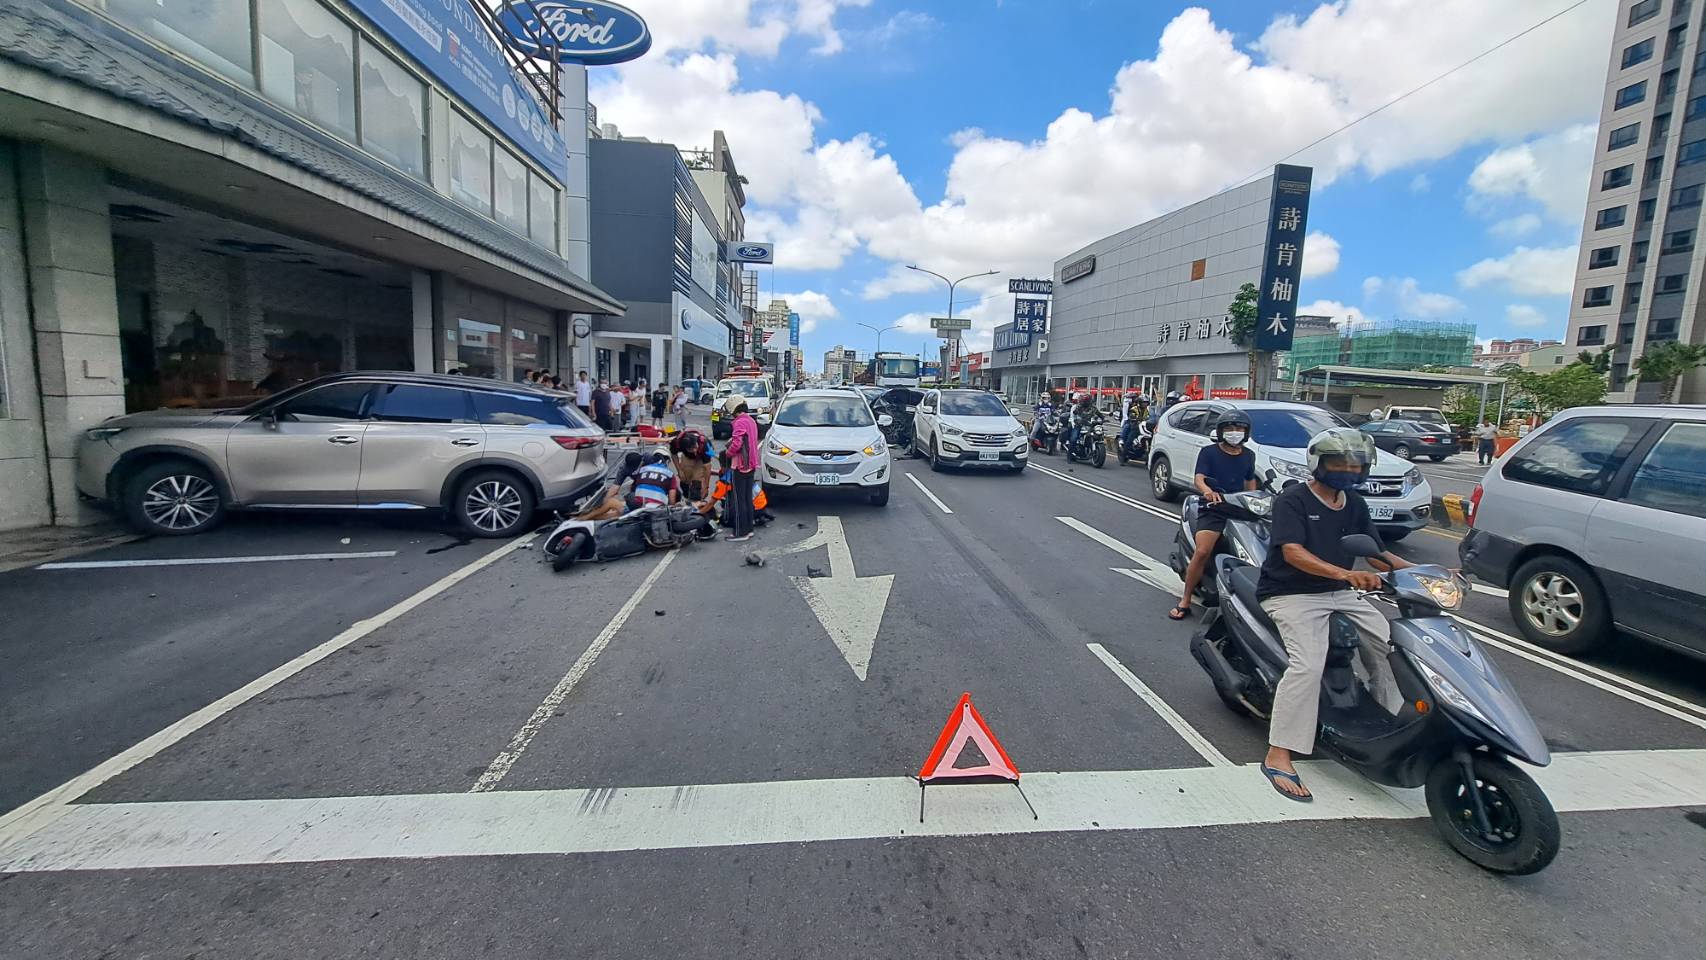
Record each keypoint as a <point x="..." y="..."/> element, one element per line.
<point x="827" y="438"/>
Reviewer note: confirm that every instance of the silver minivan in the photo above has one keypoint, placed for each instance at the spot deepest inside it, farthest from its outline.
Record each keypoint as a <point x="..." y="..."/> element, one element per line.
<point x="1595" y="523"/>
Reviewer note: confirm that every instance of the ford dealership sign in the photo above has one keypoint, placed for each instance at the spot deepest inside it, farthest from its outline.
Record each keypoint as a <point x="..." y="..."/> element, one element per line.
<point x="752" y="253"/>
<point x="579" y="31"/>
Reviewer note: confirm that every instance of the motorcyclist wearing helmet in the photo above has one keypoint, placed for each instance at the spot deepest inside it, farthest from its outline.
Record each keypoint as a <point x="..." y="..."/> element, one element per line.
<point x="1132" y="413"/>
<point x="1226" y="467"/>
<point x="1165" y="405"/>
<point x="1084" y="414"/>
<point x="1045" y="406"/>
<point x="1307" y="577"/>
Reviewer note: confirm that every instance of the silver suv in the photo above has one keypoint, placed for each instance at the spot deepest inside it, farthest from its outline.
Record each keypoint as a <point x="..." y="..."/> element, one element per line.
<point x="1595" y="522"/>
<point x="489" y="453"/>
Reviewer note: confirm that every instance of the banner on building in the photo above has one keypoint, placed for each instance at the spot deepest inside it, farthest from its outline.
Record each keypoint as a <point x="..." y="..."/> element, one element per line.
<point x="466" y="58"/>
<point x="1011" y="339"/>
<point x="746" y="252"/>
<point x="793" y="329"/>
<point x="1030" y="316"/>
<point x="1282" y="271"/>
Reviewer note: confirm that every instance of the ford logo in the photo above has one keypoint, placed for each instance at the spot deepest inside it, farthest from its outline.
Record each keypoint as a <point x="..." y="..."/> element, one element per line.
<point x="750" y="253"/>
<point x="576" y="31"/>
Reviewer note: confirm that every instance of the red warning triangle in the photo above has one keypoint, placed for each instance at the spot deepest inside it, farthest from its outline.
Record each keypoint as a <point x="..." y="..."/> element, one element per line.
<point x="965" y="725"/>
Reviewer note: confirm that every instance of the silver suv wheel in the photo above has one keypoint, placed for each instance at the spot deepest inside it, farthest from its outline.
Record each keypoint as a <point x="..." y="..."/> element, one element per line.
<point x="493" y="505"/>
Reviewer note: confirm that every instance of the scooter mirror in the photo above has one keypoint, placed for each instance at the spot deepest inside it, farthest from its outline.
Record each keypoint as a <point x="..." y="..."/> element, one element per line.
<point x="1360" y="545"/>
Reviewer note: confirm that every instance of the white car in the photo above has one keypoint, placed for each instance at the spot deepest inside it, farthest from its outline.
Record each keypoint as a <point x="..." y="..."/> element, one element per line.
<point x="827" y="438"/>
<point x="1399" y="497"/>
<point x="759" y="394"/>
<point x="968" y="428"/>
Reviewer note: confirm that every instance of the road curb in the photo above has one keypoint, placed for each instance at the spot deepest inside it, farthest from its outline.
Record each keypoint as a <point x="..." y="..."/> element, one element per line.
<point x="1451" y="511"/>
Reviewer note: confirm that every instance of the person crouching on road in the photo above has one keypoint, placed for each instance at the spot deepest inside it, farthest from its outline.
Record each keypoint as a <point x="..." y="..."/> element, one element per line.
<point x="743" y="454"/>
<point x="655" y="483"/>
<point x="1227" y="467"/>
<point x="1307" y="577"/>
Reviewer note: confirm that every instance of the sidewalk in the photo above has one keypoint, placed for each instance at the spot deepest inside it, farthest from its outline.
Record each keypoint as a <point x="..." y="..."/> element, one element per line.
<point x="35" y="545"/>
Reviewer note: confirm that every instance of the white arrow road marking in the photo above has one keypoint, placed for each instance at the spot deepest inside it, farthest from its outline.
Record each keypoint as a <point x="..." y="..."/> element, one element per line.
<point x="849" y="606"/>
<point x="1149" y="570"/>
<point x="135" y="836"/>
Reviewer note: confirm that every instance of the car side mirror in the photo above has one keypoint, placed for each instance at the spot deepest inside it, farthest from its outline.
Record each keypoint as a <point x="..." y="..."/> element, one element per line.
<point x="1360" y="545"/>
<point x="885" y="421"/>
<point x="269" y="419"/>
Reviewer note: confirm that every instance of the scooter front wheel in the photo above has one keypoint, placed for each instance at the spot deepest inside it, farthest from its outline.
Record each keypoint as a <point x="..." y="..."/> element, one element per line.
<point x="1522" y="833"/>
<point x="568" y="550"/>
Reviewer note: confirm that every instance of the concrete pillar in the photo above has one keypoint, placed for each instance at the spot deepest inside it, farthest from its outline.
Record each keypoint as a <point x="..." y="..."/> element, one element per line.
<point x="657" y="363"/>
<point x="68" y="245"/>
<point x="420" y="308"/>
<point x="27" y="501"/>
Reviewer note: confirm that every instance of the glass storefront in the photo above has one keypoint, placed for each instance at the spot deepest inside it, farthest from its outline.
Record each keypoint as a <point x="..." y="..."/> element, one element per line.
<point x="308" y="62"/>
<point x="479" y="348"/>
<point x="393" y="112"/>
<point x="528" y="351"/>
<point x="213" y="32"/>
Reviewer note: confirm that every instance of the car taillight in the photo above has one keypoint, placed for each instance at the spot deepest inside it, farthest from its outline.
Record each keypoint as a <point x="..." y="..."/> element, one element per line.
<point x="1474" y="504"/>
<point x="576" y="443"/>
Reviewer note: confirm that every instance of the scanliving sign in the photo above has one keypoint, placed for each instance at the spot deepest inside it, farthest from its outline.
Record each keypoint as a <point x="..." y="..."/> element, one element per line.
<point x="592" y="32"/>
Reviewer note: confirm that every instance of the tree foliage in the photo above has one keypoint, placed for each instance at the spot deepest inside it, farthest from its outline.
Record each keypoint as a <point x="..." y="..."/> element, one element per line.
<point x="1576" y="385"/>
<point x="1242" y="309"/>
<point x="1599" y="362"/>
<point x="1667" y="362"/>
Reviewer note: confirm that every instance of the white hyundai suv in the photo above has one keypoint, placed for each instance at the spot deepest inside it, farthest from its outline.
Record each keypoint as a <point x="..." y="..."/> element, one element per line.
<point x="827" y="438"/>
<point x="968" y="428"/>
<point x="1399" y="497"/>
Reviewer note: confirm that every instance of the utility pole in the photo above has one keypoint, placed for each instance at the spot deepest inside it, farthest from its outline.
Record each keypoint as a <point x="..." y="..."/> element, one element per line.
<point x="953" y="335"/>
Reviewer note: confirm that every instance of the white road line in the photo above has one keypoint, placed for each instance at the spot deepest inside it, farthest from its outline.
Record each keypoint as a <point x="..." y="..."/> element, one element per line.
<point x="1626" y="688"/>
<point x="926" y="491"/>
<point x="1150" y="570"/>
<point x="195" y="561"/>
<point x="1490" y="591"/>
<point x="501" y="764"/>
<point x="56" y="802"/>
<point x="1111" y="495"/>
<point x="131" y="836"/>
<point x="1198" y="742"/>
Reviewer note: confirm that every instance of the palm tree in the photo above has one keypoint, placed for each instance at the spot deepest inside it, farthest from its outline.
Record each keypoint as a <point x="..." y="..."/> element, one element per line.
<point x="1667" y="362"/>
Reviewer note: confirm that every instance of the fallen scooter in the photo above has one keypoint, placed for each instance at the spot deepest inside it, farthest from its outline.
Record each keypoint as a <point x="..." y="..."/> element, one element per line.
<point x="605" y="528"/>
<point x="1459" y="727"/>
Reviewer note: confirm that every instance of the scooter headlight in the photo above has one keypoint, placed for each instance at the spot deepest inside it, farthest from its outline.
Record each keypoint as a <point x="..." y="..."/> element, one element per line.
<point x="1260" y="506"/>
<point x="1445" y="591"/>
<point x="1443" y="689"/>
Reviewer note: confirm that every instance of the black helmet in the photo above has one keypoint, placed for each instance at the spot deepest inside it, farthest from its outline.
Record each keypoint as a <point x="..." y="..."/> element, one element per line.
<point x="1230" y="418"/>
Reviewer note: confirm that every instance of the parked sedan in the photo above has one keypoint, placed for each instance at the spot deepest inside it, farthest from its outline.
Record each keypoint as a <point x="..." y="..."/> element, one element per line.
<point x="1411" y="439"/>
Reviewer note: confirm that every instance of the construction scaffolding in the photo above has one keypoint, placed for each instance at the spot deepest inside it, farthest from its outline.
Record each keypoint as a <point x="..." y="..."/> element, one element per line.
<point x="1385" y="345"/>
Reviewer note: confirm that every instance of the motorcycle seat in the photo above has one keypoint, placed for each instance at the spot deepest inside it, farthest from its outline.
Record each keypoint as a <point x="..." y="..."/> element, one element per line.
<point x="1244" y="580"/>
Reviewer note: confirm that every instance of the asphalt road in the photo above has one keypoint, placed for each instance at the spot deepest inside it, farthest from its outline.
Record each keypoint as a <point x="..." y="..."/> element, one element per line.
<point x="676" y="755"/>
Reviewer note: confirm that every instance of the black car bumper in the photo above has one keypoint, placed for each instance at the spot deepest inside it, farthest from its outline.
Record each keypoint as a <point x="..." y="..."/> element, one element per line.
<point x="1488" y="558"/>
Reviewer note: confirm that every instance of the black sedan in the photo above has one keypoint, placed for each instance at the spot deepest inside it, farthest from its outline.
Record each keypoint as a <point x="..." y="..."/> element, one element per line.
<point x="1412" y="440"/>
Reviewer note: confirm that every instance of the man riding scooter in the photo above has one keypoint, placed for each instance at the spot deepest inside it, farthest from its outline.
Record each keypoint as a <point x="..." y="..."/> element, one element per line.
<point x="1084" y="415"/>
<point x="1227" y="467"/>
<point x="1134" y="412"/>
<point x="1045" y="406"/>
<point x="1308" y="576"/>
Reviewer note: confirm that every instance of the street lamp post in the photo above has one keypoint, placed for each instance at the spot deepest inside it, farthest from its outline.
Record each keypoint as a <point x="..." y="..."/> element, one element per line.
<point x="879" y="333"/>
<point x="954" y="337"/>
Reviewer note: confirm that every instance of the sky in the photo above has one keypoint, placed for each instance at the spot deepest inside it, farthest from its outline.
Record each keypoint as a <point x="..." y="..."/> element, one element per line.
<point x="972" y="135"/>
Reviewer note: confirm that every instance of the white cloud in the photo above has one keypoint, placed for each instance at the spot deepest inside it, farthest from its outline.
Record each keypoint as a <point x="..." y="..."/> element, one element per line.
<point x="1552" y="171"/>
<point x="1533" y="271"/>
<point x="1320" y="254"/>
<point x="1524" y="316"/>
<point x="1515" y="227"/>
<point x="1413" y="300"/>
<point x="1150" y="144"/>
<point x="1340" y="312"/>
<point x="1371" y="287"/>
<point x="813" y="308"/>
<point x="1421" y="183"/>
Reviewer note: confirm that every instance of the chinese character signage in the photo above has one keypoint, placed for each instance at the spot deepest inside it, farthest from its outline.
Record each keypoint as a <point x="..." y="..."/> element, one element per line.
<point x="793" y="329"/>
<point x="1288" y="220"/>
<point x="1030" y="316"/>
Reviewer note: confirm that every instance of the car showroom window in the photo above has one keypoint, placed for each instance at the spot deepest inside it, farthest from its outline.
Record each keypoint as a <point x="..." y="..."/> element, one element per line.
<point x="509" y="190"/>
<point x="1580" y="455"/>
<point x="215" y="34"/>
<point x="972" y="405"/>
<point x="824" y="412"/>
<point x="393" y="111"/>
<point x="308" y="62"/>
<point x="333" y="402"/>
<point x="409" y="403"/>
<point x="1673" y="476"/>
<point x="541" y="211"/>
<point x="470" y="163"/>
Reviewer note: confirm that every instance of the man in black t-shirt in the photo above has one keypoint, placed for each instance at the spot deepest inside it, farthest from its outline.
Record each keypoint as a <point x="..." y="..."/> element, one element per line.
<point x="1226" y="467"/>
<point x="1307" y="577"/>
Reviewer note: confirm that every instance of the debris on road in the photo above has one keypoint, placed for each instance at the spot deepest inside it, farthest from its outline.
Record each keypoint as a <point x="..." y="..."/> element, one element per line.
<point x="754" y="560"/>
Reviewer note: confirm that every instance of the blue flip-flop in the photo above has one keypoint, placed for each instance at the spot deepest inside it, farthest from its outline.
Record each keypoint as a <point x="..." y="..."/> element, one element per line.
<point x="1271" y="773"/>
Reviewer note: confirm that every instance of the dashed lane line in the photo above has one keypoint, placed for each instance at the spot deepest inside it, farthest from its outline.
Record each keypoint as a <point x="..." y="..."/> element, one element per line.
<point x="1111" y="495"/>
<point x="1198" y="742"/>
<point x="223" y="833"/>
<point x="926" y="491"/>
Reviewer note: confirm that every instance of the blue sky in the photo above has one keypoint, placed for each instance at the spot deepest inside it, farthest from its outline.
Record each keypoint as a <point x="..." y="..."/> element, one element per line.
<point x="979" y="134"/>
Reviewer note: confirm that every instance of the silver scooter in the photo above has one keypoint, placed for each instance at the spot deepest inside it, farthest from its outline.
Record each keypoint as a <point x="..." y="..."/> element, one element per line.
<point x="1248" y="525"/>
<point x="1460" y="725"/>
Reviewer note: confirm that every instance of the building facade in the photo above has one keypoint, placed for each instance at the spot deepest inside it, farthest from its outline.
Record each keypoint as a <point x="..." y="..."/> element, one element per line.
<point x="1382" y="344"/>
<point x="661" y="244"/>
<point x="1146" y="308"/>
<point x="204" y="202"/>
<point x="842" y="364"/>
<point x="1497" y="353"/>
<point x="1641" y="267"/>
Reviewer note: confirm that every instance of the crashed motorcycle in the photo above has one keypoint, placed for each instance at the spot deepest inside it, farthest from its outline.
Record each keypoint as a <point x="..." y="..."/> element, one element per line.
<point x="901" y="406"/>
<point x="607" y="527"/>
<point x="1458" y="728"/>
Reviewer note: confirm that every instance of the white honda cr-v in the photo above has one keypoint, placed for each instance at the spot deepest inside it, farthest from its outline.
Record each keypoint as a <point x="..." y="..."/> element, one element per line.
<point x="827" y="438"/>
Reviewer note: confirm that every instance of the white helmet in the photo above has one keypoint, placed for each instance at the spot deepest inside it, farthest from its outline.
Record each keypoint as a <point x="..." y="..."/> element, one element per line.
<point x="1346" y="442"/>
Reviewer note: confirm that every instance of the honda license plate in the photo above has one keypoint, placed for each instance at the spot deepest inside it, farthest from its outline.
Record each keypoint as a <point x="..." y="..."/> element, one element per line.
<point x="1380" y="511"/>
<point x="834" y="479"/>
<point x="989" y="455"/>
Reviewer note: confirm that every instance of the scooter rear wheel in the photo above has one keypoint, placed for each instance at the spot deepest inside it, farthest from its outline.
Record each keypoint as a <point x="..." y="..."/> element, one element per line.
<point x="1525" y="834"/>
<point x="568" y="551"/>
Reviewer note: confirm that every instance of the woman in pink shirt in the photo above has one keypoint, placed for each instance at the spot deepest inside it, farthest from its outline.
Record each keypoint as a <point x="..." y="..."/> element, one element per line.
<point x="743" y="454"/>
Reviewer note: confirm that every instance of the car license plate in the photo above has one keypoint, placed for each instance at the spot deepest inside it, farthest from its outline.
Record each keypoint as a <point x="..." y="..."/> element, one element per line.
<point x="989" y="455"/>
<point x="1380" y="511"/>
<point x="834" y="479"/>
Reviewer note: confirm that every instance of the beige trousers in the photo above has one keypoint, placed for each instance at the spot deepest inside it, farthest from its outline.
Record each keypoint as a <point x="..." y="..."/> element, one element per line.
<point x="1302" y="621"/>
